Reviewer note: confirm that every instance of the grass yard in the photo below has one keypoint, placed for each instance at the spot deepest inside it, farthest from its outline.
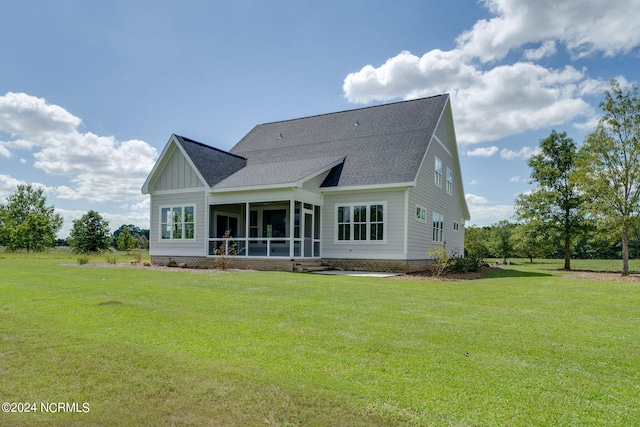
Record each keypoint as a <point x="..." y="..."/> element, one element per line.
<point x="522" y="347"/>
<point x="609" y="265"/>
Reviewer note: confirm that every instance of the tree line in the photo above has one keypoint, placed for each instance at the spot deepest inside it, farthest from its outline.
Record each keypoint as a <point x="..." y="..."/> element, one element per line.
<point x="585" y="201"/>
<point x="27" y="223"/>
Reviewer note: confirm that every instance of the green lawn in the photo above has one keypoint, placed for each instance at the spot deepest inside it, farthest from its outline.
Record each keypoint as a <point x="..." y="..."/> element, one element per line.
<point x="140" y="347"/>
<point x="609" y="265"/>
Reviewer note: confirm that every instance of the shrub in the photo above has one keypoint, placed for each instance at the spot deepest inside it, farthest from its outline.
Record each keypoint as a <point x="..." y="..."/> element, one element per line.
<point x="223" y="260"/>
<point x="440" y="261"/>
<point x="172" y="263"/>
<point x="83" y="260"/>
<point x="112" y="259"/>
<point x="468" y="264"/>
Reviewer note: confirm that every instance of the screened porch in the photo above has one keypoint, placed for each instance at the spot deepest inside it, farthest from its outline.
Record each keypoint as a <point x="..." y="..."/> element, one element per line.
<point x="287" y="228"/>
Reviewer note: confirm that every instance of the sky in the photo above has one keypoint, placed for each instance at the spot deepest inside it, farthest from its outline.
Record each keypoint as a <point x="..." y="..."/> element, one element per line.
<point x="90" y="92"/>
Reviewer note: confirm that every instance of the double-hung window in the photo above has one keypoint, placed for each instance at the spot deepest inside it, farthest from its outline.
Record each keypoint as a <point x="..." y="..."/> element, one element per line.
<point x="361" y="222"/>
<point x="449" y="181"/>
<point x="438" y="227"/>
<point x="438" y="172"/>
<point x="177" y="222"/>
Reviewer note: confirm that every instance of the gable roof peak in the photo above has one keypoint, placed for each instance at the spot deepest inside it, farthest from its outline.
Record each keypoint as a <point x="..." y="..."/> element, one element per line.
<point x="193" y="141"/>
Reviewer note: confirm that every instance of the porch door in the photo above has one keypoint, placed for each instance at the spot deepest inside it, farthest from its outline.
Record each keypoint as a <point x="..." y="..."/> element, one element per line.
<point x="307" y="232"/>
<point x="225" y="223"/>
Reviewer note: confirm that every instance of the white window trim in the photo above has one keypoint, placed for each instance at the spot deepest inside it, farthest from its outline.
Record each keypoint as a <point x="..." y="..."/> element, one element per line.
<point x="182" y="239"/>
<point x="422" y="217"/>
<point x="385" y="223"/>
<point x="449" y="181"/>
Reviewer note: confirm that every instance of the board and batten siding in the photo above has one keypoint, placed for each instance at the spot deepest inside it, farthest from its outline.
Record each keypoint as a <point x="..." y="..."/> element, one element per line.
<point x="178" y="247"/>
<point x="394" y="224"/>
<point x="433" y="198"/>
<point x="177" y="174"/>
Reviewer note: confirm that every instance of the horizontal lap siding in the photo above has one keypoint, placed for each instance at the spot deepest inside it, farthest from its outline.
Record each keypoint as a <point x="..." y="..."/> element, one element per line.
<point x="178" y="247"/>
<point x="433" y="198"/>
<point x="394" y="246"/>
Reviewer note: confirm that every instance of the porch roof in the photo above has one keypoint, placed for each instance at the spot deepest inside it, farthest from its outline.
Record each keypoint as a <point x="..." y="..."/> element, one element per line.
<point x="286" y="172"/>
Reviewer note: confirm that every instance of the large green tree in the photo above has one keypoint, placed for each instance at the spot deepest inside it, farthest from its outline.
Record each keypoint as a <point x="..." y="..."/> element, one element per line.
<point x="26" y="222"/>
<point x="90" y="234"/>
<point x="555" y="207"/>
<point x="500" y="242"/>
<point x="532" y="239"/>
<point x="609" y="166"/>
<point x="476" y="240"/>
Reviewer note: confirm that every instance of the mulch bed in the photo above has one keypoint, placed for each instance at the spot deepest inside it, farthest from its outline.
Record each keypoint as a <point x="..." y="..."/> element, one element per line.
<point x="428" y="275"/>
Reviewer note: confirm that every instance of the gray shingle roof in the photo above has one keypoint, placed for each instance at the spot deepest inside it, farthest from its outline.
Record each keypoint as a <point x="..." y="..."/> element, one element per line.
<point x="380" y="145"/>
<point x="214" y="165"/>
<point x="383" y="144"/>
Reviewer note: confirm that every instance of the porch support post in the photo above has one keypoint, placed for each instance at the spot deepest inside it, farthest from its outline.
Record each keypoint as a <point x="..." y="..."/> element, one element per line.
<point x="246" y="228"/>
<point x="292" y="216"/>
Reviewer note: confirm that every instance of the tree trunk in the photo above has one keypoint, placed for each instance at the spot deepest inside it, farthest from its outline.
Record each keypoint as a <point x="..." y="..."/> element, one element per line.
<point x="625" y="252"/>
<point x="567" y="252"/>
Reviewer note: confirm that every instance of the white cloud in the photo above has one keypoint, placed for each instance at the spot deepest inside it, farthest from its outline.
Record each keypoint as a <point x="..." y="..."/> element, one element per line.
<point x="523" y="153"/>
<point x="4" y="151"/>
<point x="592" y="26"/>
<point x="101" y="168"/>
<point x="484" y="212"/>
<point x="516" y="178"/>
<point x="475" y="200"/>
<point x="474" y="182"/>
<point x="493" y="100"/>
<point x="8" y="186"/>
<point x="482" y="151"/>
<point x="547" y="48"/>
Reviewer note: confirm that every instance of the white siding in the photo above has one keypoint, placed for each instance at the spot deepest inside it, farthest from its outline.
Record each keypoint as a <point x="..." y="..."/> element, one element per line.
<point x="435" y="199"/>
<point x="177" y="174"/>
<point x="394" y="224"/>
<point x="314" y="183"/>
<point x="195" y="247"/>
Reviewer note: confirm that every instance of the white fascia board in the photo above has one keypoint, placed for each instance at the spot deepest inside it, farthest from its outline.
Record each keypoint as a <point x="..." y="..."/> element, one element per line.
<point x="180" y="191"/>
<point x="371" y="187"/>
<point x="254" y="188"/>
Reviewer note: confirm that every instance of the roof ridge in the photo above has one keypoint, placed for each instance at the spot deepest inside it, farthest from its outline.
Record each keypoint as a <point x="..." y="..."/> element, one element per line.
<point x="355" y="138"/>
<point x="193" y="141"/>
<point x="354" y="109"/>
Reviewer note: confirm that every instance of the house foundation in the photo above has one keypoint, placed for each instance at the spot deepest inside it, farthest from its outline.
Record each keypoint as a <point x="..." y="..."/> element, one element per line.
<point x="286" y="264"/>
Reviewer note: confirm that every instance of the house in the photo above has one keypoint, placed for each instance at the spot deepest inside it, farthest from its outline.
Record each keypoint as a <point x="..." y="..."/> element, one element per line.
<point x="366" y="189"/>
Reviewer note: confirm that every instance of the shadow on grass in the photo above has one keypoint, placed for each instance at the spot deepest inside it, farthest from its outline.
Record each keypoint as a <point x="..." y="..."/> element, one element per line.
<point x="500" y="273"/>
